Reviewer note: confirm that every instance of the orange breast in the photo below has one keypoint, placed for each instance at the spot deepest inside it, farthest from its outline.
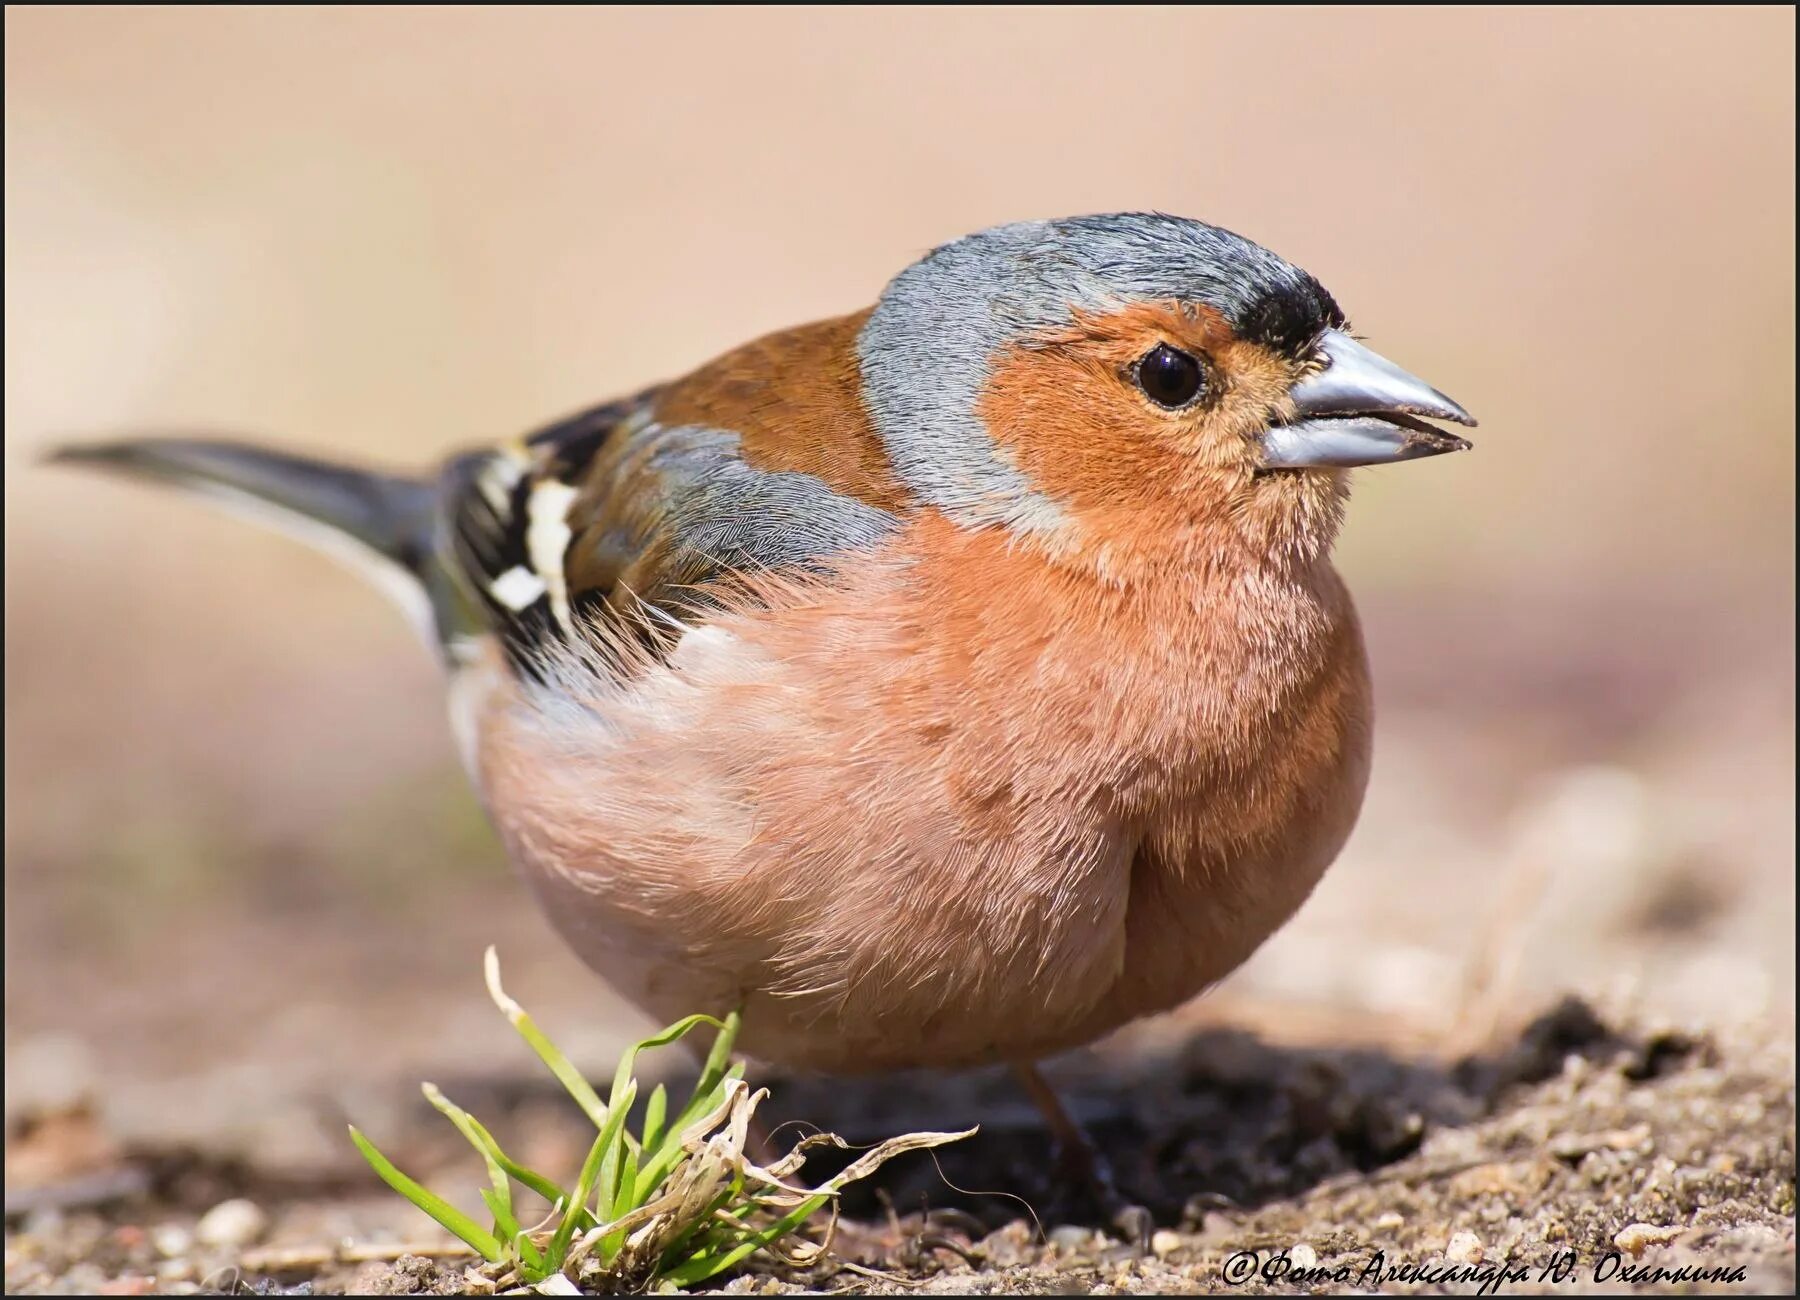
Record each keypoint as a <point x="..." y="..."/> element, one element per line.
<point x="956" y="805"/>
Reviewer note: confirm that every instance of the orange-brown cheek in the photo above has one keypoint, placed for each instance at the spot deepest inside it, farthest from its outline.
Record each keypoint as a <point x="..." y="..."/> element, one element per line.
<point x="1066" y="411"/>
<point x="1068" y="421"/>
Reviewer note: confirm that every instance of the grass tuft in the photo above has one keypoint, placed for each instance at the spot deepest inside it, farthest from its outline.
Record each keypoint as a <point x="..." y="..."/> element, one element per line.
<point x="671" y="1205"/>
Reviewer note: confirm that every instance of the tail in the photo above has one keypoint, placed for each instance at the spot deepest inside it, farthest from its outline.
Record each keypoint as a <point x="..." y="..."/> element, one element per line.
<point x="384" y="526"/>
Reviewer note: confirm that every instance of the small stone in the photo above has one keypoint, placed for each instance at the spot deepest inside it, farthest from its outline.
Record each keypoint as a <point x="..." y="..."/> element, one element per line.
<point x="1164" y="1243"/>
<point x="1215" y="1230"/>
<point x="1390" y="1221"/>
<point x="1303" y="1256"/>
<point x="44" y="1221"/>
<point x="171" y="1240"/>
<point x="130" y="1284"/>
<point x="1636" y="1238"/>
<point x="1070" y="1237"/>
<point x="128" y="1236"/>
<point x="174" y="1270"/>
<point x="237" y="1222"/>
<point x="1464" y="1248"/>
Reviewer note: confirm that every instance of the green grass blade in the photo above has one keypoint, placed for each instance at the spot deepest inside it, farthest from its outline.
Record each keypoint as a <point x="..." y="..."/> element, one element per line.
<point x="627" y="1066"/>
<point x="709" y="1091"/>
<point x="558" y="1248"/>
<point x="498" y="1198"/>
<point x="714" y="1069"/>
<point x="531" y="1261"/>
<point x="624" y="1192"/>
<point x="607" y="1184"/>
<point x="531" y="1178"/>
<point x="624" y="1201"/>
<point x="548" y="1052"/>
<point x="656" y="1110"/>
<point x="553" y="1194"/>
<point x="506" y="1228"/>
<point x="674" y="1033"/>
<point x="607" y="1144"/>
<point x="482" y="1141"/>
<point x="479" y="1239"/>
<point x="613" y="1162"/>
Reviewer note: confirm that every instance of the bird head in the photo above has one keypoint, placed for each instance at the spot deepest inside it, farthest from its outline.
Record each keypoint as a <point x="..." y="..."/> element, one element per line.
<point x="1103" y="377"/>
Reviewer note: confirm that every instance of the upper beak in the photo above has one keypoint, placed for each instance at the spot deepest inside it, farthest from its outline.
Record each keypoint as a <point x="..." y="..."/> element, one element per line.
<point x="1361" y="409"/>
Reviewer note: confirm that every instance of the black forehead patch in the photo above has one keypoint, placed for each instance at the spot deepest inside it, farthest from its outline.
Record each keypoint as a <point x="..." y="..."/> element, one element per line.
<point x="1287" y="317"/>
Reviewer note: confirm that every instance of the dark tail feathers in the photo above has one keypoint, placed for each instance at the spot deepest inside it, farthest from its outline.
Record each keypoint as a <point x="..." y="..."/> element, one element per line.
<point x="393" y="521"/>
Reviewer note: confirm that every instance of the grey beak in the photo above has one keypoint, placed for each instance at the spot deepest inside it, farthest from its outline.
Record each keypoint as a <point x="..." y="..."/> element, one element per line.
<point x="1361" y="409"/>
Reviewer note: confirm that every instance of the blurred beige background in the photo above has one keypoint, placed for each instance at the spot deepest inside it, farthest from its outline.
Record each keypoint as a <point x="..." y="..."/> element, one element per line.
<point x="235" y="832"/>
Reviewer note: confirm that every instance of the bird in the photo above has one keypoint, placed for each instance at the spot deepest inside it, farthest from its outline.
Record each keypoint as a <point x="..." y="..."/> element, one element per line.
<point x="940" y="685"/>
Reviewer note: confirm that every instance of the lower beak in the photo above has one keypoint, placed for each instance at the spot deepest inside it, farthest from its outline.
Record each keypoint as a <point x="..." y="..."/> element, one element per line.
<point x="1361" y="409"/>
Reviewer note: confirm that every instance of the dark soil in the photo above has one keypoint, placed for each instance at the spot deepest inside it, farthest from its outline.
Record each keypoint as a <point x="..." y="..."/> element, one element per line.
<point x="1582" y="1156"/>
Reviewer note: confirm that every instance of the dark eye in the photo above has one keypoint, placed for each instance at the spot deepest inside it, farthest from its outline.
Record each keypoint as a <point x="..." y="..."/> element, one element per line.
<point x="1169" y="376"/>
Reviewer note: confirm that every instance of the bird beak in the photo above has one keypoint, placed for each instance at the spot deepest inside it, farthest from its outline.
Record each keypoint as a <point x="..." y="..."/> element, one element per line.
<point x="1361" y="409"/>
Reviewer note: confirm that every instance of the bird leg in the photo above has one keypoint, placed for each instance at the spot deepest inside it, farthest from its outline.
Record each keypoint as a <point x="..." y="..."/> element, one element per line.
<point x="1080" y="1170"/>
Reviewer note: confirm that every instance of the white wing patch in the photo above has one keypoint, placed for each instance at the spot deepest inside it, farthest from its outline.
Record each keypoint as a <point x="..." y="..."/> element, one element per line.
<point x="547" y="537"/>
<point x="500" y="476"/>
<point x="517" y="588"/>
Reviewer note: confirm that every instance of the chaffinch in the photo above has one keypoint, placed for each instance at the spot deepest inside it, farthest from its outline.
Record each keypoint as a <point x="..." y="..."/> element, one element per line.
<point x="951" y="682"/>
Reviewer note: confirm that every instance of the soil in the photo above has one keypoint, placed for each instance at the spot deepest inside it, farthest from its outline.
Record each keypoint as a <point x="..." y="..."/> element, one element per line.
<point x="1582" y="1155"/>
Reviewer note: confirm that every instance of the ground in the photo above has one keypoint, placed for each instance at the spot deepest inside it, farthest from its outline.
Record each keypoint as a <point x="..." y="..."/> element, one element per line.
<point x="1582" y="1155"/>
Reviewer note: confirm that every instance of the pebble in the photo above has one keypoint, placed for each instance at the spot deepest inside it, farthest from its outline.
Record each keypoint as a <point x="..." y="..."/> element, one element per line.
<point x="1070" y="1236"/>
<point x="1636" y="1238"/>
<point x="171" y="1240"/>
<point x="1215" y="1230"/>
<point x="1303" y="1256"/>
<point x="45" y="1221"/>
<point x="1390" y="1221"/>
<point x="1164" y="1243"/>
<point x="237" y="1222"/>
<point x="130" y="1284"/>
<point x="1464" y="1248"/>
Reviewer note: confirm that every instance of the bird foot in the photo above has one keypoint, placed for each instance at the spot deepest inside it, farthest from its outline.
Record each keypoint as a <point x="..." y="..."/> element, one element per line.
<point x="1085" y="1188"/>
<point x="1086" y="1191"/>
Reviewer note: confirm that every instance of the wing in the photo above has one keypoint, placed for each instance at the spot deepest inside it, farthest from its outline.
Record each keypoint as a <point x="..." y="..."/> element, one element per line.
<point x="631" y="514"/>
